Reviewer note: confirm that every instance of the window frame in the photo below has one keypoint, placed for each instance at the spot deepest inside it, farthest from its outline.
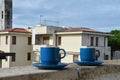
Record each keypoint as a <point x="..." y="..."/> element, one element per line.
<point x="29" y="40"/>
<point x="37" y="40"/>
<point x="2" y="14"/>
<point x="59" y="40"/>
<point x="6" y="40"/>
<point x="0" y="40"/>
<point x="91" y="41"/>
<point x="29" y="56"/>
<point x="14" y="40"/>
<point x="97" y="41"/>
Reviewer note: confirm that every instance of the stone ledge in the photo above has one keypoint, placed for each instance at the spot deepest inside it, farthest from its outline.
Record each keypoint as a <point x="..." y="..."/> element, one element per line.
<point x="71" y="72"/>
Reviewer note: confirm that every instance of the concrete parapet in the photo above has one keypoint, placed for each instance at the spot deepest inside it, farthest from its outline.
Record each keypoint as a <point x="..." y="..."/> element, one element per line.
<point x="71" y="72"/>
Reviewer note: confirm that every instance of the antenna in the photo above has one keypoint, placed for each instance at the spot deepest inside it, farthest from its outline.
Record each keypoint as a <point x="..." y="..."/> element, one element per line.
<point x="41" y="19"/>
<point x="51" y="21"/>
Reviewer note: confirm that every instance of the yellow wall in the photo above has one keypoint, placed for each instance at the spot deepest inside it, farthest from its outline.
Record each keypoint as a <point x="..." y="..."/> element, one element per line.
<point x="46" y="29"/>
<point x="67" y="59"/>
<point x="40" y="30"/>
<point x="6" y="48"/>
<point x="3" y="46"/>
<point x="71" y="42"/>
<point x="21" y="49"/>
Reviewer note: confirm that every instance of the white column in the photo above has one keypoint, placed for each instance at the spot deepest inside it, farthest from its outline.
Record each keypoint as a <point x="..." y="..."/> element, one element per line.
<point x="107" y="49"/>
<point x="33" y="36"/>
<point x="54" y="39"/>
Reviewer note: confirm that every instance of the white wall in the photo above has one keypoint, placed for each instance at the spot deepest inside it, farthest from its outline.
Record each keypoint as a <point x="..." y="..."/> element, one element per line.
<point x="86" y="40"/>
<point x="102" y="44"/>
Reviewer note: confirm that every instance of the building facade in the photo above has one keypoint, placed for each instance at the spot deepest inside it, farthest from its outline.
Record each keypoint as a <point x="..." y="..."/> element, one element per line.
<point x="70" y="39"/>
<point x="16" y="40"/>
<point x="27" y="44"/>
<point x="6" y="14"/>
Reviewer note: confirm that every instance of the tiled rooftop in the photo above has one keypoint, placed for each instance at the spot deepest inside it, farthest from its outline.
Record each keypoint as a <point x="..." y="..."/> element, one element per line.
<point x="20" y="30"/>
<point x="79" y="29"/>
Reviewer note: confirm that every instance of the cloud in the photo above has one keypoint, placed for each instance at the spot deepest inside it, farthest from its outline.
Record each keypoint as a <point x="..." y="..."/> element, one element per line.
<point x="97" y="14"/>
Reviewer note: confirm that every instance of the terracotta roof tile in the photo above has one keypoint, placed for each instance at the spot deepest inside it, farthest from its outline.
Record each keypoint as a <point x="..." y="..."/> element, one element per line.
<point x="20" y="30"/>
<point x="79" y="29"/>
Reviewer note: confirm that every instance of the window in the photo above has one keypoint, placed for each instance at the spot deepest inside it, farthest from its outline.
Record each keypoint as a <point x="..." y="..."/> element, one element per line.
<point x="28" y="56"/>
<point x="13" y="40"/>
<point x="29" y="40"/>
<point x="13" y="58"/>
<point x="59" y="40"/>
<point x="8" y="22"/>
<point x="97" y="39"/>
<point x="37" y="39"/>
<point x="46" y="40"/>
<point x="0" y="40"/>
<point x="8" y="17"/>
<point x="2" y="14"/>
<point x="92" y="41"/>
<point x="6" y="39"/>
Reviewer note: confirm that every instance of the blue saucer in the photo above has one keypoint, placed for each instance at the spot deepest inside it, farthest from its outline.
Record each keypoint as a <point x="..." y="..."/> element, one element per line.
<point x="88" y="63"/>
<point x="58" y="66"/>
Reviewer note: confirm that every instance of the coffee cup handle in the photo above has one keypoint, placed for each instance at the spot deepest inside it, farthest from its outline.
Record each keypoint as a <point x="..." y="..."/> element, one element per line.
<point x="98" y="53"/>
<point x="64" y="53"/>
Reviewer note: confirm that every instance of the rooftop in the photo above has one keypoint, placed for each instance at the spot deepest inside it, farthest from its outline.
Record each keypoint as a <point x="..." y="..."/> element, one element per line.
<point x="20" y="30"/>
<point x="80" y="29"/>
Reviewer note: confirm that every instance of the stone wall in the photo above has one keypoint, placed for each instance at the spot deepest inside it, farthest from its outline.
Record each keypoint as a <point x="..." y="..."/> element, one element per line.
<point x="72" y="72"/>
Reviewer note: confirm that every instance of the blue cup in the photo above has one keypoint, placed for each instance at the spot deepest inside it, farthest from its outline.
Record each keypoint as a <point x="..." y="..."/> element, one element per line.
<point x="88" y="54"/>
<point x="51" y="55"/>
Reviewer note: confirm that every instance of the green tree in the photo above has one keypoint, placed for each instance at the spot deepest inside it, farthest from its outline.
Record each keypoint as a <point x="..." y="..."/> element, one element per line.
<point x="114" y="41"/>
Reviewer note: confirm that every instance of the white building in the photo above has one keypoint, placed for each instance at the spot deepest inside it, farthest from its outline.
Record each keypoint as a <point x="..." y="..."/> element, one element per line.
<point x="71" y="39"/>
<point x="16" y="40"/>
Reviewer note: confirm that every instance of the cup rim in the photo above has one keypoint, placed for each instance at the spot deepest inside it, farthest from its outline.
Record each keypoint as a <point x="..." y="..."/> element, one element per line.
<point x="49" y="47"/>
<point x="87" y="48"/>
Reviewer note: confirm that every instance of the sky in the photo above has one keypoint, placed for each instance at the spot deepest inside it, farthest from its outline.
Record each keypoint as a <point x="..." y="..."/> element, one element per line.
<point x="102" y="15"/>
